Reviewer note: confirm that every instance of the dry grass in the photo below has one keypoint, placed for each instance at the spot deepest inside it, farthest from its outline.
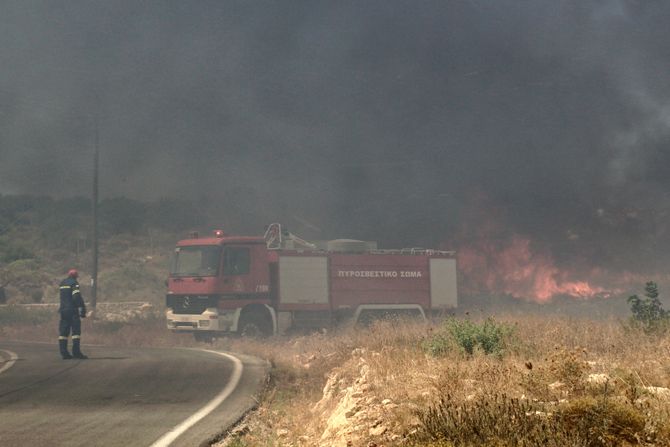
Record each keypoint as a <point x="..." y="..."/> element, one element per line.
<point x="565" y="382"/>
<point x="575" y="381"/>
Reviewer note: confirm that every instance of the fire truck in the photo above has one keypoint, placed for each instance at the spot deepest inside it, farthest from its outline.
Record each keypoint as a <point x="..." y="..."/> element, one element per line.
<point x="268" y="284"/>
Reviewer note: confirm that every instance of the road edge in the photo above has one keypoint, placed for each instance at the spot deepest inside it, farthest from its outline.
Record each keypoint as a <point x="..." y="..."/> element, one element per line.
<point x="263" y="381"/>
<point x="169" y="437"/>
<point x="8" y="363"/>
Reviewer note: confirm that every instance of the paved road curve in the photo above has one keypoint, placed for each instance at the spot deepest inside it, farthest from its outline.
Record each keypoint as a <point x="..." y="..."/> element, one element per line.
<point x="121" y="396"/>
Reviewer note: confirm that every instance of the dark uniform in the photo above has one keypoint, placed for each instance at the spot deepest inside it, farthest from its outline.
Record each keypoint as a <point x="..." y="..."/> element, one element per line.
<point x="72" y="307"/>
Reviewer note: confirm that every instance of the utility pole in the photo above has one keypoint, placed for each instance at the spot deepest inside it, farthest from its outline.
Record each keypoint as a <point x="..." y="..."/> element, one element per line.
<point x="94" y="210"/>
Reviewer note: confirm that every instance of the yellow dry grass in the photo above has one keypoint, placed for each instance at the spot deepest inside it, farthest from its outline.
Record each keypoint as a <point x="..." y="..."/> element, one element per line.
<point x="561" y="370"/>
<point x="596" y="370"/>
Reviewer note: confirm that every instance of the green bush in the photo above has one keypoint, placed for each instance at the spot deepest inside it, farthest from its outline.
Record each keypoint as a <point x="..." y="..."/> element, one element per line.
<point x="648" y="313"/>
<point x="438" y="344"/>
<point x="11" y="251"/>
<point x="489" y="336"/>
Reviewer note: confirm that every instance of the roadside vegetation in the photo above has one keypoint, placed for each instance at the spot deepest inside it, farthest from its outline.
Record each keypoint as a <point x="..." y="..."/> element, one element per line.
<point x="502" y="377"/>
<point x="648" y="314"/>
<point x="41" y="238"/>
<point x="524" y="380"/>
<point x="548" y="381"/>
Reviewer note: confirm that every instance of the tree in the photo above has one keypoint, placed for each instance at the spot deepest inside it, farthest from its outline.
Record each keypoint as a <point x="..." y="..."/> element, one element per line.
<point x="648" y="313"/>
<point x="3" y="296"/>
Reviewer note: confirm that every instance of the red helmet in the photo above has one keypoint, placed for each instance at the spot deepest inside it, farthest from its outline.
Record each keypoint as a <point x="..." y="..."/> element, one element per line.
<point x="73" y="273"/>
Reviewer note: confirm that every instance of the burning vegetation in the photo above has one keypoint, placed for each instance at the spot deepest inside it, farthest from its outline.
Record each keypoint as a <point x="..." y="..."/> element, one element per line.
<point x="553" y="379"/>
<point x="497" y="259"/>
<point x="513" y="268"/>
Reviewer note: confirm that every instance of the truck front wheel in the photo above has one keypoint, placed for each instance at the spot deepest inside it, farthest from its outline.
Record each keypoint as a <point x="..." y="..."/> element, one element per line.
<point x="205" y="337"/>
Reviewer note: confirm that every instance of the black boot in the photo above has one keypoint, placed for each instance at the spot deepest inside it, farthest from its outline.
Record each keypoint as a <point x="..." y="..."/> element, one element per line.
<point x="76" y="351"/>
<point x="63" y="349"/>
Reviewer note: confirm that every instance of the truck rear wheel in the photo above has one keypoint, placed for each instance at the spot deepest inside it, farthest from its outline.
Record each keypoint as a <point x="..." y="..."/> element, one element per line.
<point x="254" y="327"/>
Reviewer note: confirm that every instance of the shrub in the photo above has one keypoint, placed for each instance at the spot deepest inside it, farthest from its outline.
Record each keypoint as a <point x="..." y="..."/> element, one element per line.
<point x="648" y="313"/>
<point x="25" y="276"/>
<point x="603" y="422"/>
<point x="237" y="442"/>
<point x="124" y="282"/>
<point x="11" y="251"/>
<point x="438" y="344"/>
<point x="36" y="295"/>
<point x="493" y="420"/>
<point x="13" y="315"/>
<point x="569" y="367"/>
<point x="489" y="336"/>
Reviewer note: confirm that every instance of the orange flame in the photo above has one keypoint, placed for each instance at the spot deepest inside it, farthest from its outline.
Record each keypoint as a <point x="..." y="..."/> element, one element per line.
<point x="513" y="268"/>
<point x="493" y="260"/>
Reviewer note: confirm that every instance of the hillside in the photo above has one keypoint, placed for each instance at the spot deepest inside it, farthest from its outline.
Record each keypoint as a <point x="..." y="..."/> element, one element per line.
<point x="41" y="238"/>
<point x="563" y="373"/>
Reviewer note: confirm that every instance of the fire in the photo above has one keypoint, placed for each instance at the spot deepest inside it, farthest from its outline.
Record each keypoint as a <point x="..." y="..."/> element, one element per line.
<point x="512" y="267"/>
<point x="494" y="259"/>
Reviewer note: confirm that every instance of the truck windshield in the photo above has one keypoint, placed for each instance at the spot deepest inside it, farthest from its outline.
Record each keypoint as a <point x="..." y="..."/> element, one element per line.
<point x="196" y="260"/>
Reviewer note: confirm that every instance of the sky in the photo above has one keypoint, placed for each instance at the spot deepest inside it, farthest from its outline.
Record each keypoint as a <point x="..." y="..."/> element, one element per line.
<point x="415" y="123"/>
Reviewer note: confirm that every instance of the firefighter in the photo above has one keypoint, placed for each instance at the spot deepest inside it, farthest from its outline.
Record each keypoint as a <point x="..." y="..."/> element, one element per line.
<point x="72" y="308"/>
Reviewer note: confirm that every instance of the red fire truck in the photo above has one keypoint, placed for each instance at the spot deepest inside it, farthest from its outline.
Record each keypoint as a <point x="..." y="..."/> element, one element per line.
<point x="266" y="285"/>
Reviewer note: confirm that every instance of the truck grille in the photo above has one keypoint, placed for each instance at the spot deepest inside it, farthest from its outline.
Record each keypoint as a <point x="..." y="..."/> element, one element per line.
<point x="190" y="304"/>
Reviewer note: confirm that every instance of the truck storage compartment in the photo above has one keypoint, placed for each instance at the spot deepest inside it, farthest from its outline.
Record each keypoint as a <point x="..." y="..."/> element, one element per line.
<point x="303" y="282"/>
<point x="443" y="291"/>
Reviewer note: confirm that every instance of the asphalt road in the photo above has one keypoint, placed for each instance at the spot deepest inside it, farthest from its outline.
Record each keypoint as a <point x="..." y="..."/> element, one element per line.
<point x="121" y="396"/>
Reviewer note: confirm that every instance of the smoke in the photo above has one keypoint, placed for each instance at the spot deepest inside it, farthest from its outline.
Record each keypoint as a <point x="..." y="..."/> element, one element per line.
<point x="376" y="120"/>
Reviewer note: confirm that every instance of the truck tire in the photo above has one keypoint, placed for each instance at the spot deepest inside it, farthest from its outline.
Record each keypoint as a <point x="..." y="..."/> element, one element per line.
<point x="254" y="327"/>
<point x="205" y="337"/>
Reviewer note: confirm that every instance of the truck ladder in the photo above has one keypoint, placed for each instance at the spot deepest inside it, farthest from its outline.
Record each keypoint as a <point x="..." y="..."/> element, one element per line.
<point x="277" y="239"/>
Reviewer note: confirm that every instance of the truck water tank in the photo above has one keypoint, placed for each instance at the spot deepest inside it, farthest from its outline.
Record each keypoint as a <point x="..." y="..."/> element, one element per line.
<point x="348" y="245"/>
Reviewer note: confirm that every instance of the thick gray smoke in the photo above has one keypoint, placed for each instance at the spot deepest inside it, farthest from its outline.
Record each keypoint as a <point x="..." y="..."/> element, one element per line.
<point x="377" y="119"/>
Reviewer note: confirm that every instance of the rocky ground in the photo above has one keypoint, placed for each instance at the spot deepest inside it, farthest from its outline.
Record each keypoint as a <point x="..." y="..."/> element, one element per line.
<point x="381" y="386"/>
<point x="376" y="388"/>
